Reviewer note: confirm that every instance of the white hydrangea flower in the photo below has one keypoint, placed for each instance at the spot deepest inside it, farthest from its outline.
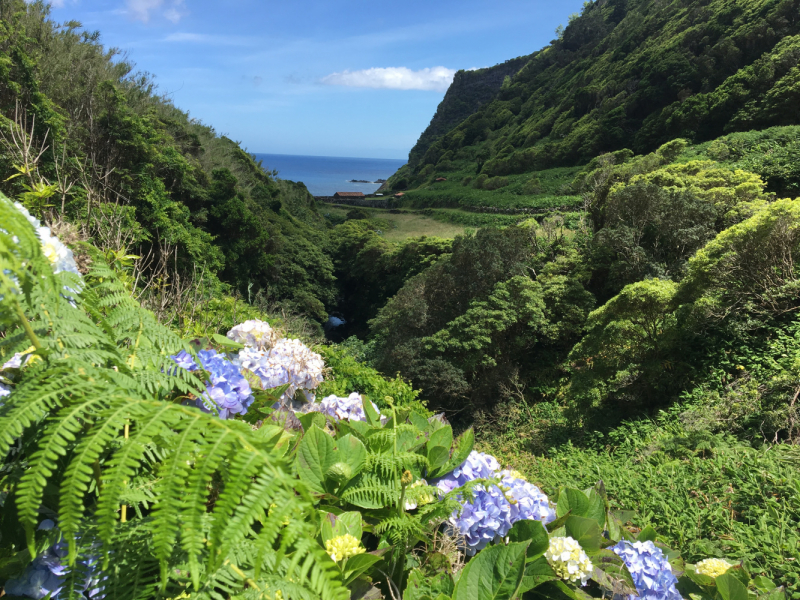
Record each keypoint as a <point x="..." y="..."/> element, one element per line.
<point x="254" y="334"/>
<point x="55" y="251"/>
<point x="713" y="567"/>
<point x="287" y="362"/>
<point x="568" y="560"/>
<point x="16" y="361"/>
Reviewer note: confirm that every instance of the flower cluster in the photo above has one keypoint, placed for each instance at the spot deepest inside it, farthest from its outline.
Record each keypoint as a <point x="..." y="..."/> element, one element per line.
<point x="568" y="560"/>
<point x="254" y="334"/>
<point x="495" y="508"/>
<point x="478" y="465"/>
<point x="15" y="362"/>
<point x="713" y="567"/>
<point x="287" y="362"/>
<point x="227" y="388"/>
<point x="528" y="502"/>
<point x="343" y="547"/>
<point x="57" y="253"/>
<point x="650" y="570"/>
<point x="47" y="575"/>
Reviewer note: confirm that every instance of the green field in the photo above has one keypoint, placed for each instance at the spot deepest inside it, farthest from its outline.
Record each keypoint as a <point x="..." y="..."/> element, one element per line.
<point x="401" y="226"/>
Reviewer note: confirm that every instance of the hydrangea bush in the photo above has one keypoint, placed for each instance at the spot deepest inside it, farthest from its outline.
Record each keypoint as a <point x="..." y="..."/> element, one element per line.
<point x="390" y="505"/>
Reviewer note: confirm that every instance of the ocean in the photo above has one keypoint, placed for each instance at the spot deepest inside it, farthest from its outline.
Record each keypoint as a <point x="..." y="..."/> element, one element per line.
<point x="326" y="175"/>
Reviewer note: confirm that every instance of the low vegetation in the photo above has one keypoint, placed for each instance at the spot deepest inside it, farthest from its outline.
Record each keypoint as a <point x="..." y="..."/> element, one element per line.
<point x="566" y="369"/>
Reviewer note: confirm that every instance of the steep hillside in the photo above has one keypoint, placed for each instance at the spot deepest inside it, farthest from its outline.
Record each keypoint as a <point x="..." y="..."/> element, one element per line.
<point x="86" y="140"/>
<point x="469" y="91"/>
<point x="630" y="74"/>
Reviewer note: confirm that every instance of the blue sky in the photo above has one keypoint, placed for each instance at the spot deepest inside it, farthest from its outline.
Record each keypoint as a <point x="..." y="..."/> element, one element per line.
<point x="348" y="78"/>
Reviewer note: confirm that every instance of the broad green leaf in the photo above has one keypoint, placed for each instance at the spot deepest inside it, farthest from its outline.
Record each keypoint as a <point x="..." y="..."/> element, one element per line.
<point x="373" y="418"/>
<point x="572" y="500"/>
<point x="730" y="588"/>
<point x="337" y="525"/>
<point x="225" y="342"/>
<point x="558" y="523"/>
<point x="438" y="456"/>
<point x="698" y="578"/>
<point x="314" y="457"/>
<point x="349" y="522"/>
<point x="597" y="509"/>
<point x="441" y="437"/>
<point x="763" y="584"/>
<point x="313" y="418"/>
<point x="418" y="421"/>
<point x="776" y="594"/>
<point x="350" y="450"/>
<point x="494" y="574"/>
<point x="532" y="532"/>
<point x="536" y="573"/>
<point x="410" y="441"/>
<point x="648" y="534"/>
<point x="585" y="531"/>
<point x="463" y="446"/>
<point x="358" y="564"/>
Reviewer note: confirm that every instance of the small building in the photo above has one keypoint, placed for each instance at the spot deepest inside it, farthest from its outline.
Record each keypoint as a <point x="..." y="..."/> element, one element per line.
<point x="349" y="196"/>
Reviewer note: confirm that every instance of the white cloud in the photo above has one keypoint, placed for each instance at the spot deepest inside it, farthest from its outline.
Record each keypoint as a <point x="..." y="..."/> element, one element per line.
<point x="394" y="78"/>
<point x="142" y="10"/>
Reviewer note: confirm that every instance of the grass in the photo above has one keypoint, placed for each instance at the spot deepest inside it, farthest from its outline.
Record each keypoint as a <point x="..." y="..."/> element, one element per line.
<point x="708" y="495"/>
<point x="552" y="190"/>
<point x="405" y="225"/>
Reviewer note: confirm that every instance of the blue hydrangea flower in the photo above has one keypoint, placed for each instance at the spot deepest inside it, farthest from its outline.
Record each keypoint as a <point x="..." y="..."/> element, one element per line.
<point x="531" y="503"/>
<point x="650" y="570"/>
<point x="495" y="508"/>
<point x="478" y="465"/>
<point x="47" y="573"/>
<point x="487" y="518"/>
<point x="227" y="387"/>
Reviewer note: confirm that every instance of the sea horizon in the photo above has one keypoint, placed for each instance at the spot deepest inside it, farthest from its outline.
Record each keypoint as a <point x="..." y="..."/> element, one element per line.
<point x="326" y="175"/>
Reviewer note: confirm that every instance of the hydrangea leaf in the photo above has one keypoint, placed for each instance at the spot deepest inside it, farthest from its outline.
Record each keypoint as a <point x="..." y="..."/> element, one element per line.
<point x="438" y="456"/>
<point x="584" y="531"/>
<point x="611" y="573"/>
<point x="574" y="501"/>
<point x="441" y="437"/>
<point x="597" y="508"/>
<point x="359" y="564"/>
<point x="314" y="457"/>
<point x="351" y="450"/>
<point x="226" y="343"/>
<point x="648" y="534"/>
<point x="537" y="573"/>
<point x="730" y="588"/>
<point x="495" y="573"/>
<point x="763" y="584"/>
<point x="463" y="447"/>
<point x="533" y="532"/>
<point x="373" y="416"/>
<point x="418" y="421"/>
<point x="312" y="418"/>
